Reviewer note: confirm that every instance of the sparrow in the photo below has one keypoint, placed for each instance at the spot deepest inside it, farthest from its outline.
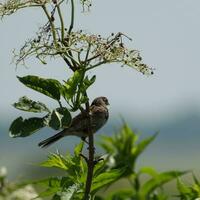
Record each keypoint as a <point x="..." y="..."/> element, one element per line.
<point x="79" y="127"/>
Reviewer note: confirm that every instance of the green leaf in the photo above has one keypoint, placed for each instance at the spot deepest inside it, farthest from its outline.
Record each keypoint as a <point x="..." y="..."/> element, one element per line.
<point x="29" y="105"/>
<point x="49" y="87"/>
<point x="143" y="144"/>
<point x="70" y="87"/>
<point x="78" y="149"/>
<point x="54" y="120"/>
<point x="56" y="160"/>
<point x="53" y="187"/>
<point x="121" y="195"/>
<point x="106" y="178"/>
<point x="58" y="118"/>
<point x="148" y="170"/>
<point x="65" y="116"/>
<point x="24" y="127"/>
<point x="70" y="192"/>
<point x="158" y="181"/>
<point x="87" y="83"/>
<point x="182" y="188"/>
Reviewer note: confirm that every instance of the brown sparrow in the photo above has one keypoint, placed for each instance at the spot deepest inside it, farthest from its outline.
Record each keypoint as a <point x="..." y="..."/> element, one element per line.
<point x="79" y="126"/>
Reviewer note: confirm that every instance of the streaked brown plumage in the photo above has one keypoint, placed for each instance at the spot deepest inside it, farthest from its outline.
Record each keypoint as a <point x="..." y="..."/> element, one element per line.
<point x="79" y="126"/>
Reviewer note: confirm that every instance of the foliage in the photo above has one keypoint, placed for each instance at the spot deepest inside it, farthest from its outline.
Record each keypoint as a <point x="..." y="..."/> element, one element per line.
<point x="187" y="192"/>
<point x="108" y="171"/>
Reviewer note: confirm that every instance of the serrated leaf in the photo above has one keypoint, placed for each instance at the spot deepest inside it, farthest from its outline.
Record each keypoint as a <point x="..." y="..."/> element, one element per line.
<point x="56" y="160"/>
<point x="29" y="105"/>
<point x="24" y="127"/>
<point x="182" y="188"/>
<point x="49" y="87"/>
<point x="106" y="178"/>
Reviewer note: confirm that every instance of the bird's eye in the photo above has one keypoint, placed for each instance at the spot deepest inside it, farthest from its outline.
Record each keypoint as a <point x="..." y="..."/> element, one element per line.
<point x="105" y="100"/>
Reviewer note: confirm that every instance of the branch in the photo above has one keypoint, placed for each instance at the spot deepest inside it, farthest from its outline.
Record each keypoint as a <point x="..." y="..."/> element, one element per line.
<point x="90" y="161"/>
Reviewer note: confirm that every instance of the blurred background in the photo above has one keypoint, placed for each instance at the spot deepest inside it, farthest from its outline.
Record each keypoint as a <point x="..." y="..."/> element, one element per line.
<point x="166" y="33"/>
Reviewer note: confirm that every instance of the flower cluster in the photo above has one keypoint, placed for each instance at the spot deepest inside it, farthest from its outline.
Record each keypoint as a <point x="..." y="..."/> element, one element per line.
<point x="11" y="6"/>
<point x="86" y="4"/>
<point x="109" y="50"/>
<point x="92" y="50"/>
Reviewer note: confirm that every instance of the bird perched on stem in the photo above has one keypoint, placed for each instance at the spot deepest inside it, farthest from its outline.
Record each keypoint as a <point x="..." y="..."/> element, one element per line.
<point x="80" y="124"/>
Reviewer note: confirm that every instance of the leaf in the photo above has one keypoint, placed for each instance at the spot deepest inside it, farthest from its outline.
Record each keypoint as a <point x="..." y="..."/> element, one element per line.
<point x="49" y="87"/>
<point x="121" y="195"/>
<point x="68" y="194"/>
<point x="182" y="188"/>
<point x="143" y="144"/>
<point x="158" y="181"/>
<point x="148" y="170"/>
<point x="56" y="160"/>
<point x="58" y="118"/>
<point x="78" y="149"/>
<point x="65" y="116"/>
<point x="24" y="127"/>
<point x="106" y="178"/>
<point x="54" y="120"/>
<point x="70" y="87"/>
<point x="29" y="105"/>
<point x="87" y="83"/>
<point x="53" y="187"/>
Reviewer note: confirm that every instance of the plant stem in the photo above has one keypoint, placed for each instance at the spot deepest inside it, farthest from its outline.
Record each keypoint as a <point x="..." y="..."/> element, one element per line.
<point x="53" y="30"/>
<point x="90" y="163"/>
<point x="61" y="22"/>
<point x="72" y="17"/>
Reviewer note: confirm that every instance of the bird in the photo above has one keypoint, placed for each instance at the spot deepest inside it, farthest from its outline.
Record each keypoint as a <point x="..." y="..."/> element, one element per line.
<point x="79" y="127"/>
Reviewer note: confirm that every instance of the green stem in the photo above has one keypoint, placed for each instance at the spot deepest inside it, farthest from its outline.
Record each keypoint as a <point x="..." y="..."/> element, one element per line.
<point x="53" y="30"/>
<point x="79" y="89"/>
<point x="61" y="22"/>
<point x="60" y="104"/>
<point x="96" y="65"/>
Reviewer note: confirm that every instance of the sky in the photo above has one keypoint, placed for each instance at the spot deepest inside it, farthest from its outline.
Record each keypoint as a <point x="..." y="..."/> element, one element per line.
<point x="165" y="32"/>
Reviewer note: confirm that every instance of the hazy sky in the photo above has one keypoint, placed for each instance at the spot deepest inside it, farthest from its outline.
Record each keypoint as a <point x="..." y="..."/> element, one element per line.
<point x="168" y="35"/>
<point x="166" y="32"/>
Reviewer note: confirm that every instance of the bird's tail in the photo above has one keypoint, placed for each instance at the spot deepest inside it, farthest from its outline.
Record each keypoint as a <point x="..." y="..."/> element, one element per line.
<point x="51" y="140"/>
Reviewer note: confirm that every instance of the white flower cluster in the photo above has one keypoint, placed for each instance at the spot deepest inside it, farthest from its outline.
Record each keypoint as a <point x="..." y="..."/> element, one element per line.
<point x="26" y="193"/>
<point x="107" y="50"/>
<point x="11" y="6"/>
<point x="3" y="172"/>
